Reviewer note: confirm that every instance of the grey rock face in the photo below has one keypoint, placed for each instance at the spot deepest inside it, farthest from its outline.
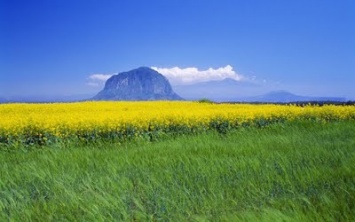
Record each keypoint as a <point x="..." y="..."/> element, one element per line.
<point x="138" y="84"/>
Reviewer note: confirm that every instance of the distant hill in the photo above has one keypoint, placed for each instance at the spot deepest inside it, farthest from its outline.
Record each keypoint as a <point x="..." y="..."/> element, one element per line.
<point x="138" y="84"/>
<point x="219" y="91"/>
<point x="3" y="100"/>
<point x="45" y="98"/>
<point x="286" y="97"/>
<point x="230" y="90"/>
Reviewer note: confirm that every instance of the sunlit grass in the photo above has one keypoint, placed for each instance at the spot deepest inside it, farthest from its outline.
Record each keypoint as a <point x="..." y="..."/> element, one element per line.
<point x="295" y="172"/>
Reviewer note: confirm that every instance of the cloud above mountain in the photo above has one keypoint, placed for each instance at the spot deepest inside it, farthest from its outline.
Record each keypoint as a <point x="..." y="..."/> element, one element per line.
<point x="190" y="75"/>
<point x="100" y="77"/>
<point x="179" y="76"/>
<point x="97" y="80"/>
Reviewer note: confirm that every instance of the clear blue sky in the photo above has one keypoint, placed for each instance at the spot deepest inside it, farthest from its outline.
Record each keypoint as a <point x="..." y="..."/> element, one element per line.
<point x="53" y="46"/>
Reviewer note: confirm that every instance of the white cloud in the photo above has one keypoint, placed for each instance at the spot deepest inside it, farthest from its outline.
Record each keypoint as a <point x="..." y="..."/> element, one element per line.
<point x="100" y="77"/>
<point x="181" y="76"/>
<point x="98" y="80"/>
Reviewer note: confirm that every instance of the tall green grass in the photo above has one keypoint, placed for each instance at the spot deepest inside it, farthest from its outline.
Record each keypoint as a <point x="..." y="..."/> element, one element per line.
<point x="288" y="172"/>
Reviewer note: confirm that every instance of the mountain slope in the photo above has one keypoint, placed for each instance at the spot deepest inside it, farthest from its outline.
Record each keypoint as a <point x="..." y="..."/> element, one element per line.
<point x="138" y="84"/>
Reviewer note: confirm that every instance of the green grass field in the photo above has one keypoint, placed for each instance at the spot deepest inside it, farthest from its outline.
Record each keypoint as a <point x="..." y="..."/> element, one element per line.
<point x="301" y="171"/>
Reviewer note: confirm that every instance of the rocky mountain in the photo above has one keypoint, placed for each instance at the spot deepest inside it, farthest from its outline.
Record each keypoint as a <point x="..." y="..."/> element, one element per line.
<point x="138" y="84"/>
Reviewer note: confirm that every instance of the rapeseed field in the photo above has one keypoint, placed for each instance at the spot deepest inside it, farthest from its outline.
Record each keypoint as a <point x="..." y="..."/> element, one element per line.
<point x="90" y="121"/>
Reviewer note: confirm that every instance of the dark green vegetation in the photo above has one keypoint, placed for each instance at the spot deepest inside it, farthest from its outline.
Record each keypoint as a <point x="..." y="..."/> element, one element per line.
<point x="204" y="100"/>
<point x="303" y="103"/>
<point x="301" y="171"/>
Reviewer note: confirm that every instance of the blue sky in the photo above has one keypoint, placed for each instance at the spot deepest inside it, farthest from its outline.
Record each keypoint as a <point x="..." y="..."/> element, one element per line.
<point x="53" y="46"/>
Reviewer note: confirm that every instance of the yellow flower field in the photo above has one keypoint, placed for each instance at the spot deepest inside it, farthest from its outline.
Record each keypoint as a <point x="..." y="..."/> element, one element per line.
<point x="95" y="119"/>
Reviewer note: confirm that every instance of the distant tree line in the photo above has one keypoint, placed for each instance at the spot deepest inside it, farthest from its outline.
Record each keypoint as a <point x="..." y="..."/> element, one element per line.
<point x="321" y="103"/>
<point x="302" y="103"/>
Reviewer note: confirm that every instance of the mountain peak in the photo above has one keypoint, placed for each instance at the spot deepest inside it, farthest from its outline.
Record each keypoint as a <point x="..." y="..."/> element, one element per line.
<point x="280" y="93"/>
<point x="142" y="83"/>
<point x="144" y="68"/>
